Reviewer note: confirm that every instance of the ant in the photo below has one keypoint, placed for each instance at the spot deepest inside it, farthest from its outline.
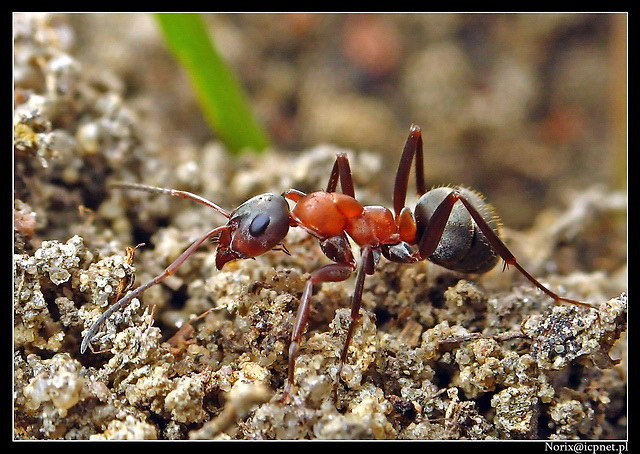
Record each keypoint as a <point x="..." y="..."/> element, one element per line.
<point x="451" y="226"/>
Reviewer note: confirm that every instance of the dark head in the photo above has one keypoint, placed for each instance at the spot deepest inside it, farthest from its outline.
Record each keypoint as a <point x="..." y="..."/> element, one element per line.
<point x="257" y="226"/>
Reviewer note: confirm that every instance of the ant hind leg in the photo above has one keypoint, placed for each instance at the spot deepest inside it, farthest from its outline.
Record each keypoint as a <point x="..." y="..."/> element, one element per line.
<point x="437" y="224"/>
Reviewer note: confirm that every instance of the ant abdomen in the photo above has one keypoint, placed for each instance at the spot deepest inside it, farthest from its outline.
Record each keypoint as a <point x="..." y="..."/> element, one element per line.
<point x="462" y="247"/>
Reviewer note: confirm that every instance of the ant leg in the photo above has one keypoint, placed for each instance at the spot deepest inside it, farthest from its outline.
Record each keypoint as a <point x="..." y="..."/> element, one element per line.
<point x="86" y="340"/>
<point x="328" y="273"/>
<point x="293" y="194"/>
<point x="413" y="146"/>
<point x="172" y="192"/>
<point x="333" y="178"/>
<point x="507" y="336"/>
<point x="341" y="170"/>
<point x="507" y="256"/>
<point x="366" y="267"/>
<point x="438" y="221"/>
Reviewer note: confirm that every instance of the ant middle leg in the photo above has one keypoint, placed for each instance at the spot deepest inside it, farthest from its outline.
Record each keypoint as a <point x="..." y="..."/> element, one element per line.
<point x="329" y="273"/>
<point x="412" y="147"/>
<point x="433" y="233"/>
<point x="404" y="219"/>
<point x="366" y="267"/>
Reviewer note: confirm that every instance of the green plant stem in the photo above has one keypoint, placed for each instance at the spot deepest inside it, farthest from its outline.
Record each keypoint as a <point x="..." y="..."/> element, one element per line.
<point x="221" y="96"/>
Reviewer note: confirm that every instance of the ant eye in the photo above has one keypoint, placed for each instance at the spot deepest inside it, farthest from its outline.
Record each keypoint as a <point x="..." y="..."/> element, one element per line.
<point x="259" y="224"/>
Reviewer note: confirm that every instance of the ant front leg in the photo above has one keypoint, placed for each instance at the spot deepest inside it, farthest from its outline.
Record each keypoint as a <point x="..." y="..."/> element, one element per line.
<point x="341" y="170"/>
<point x="88" y="337"/>
<point x="438" y="222"/>
<point x="328" y="273"/>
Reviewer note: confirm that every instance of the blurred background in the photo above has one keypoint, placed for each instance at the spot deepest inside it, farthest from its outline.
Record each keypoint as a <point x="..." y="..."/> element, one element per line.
<point x="519" y="106"/>
<point x="522" y="107"/>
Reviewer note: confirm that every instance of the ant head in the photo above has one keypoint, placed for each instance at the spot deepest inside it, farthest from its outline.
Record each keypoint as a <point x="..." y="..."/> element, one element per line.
<point x="257" y="226"/>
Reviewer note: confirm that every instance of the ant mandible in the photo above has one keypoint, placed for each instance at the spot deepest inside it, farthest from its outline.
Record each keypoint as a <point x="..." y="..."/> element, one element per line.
<point x="452" y="227"/>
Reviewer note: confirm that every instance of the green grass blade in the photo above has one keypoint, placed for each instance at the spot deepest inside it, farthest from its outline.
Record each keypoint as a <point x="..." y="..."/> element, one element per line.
<point x="221" y="96"/>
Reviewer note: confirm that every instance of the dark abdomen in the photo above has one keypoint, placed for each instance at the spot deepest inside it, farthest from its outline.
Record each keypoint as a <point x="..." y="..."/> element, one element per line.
<point x="462" y="247"/>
